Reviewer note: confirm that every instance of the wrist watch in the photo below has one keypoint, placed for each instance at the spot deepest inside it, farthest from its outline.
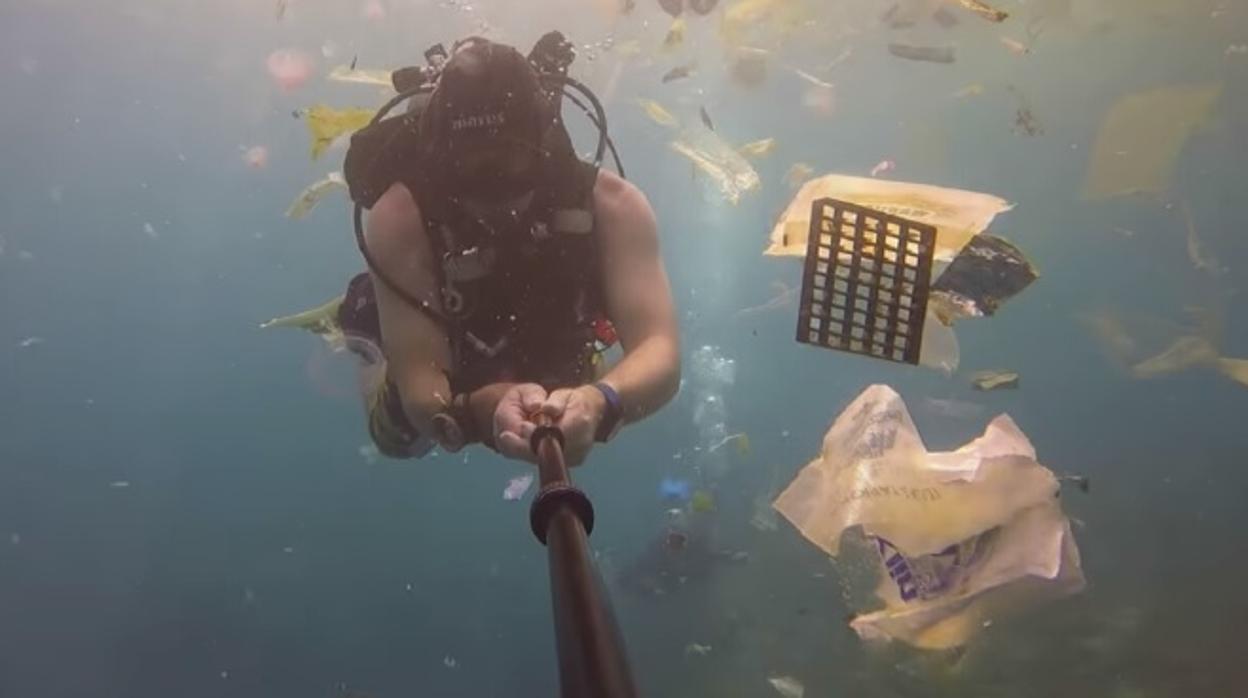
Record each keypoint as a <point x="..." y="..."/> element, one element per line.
<point x="612" y="415"/>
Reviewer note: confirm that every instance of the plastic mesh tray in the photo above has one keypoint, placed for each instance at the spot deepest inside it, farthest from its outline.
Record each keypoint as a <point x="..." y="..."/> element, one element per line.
<point x="866" y="279"/>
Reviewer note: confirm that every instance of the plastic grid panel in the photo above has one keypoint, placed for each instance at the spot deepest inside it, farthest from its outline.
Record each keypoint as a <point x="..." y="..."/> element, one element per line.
<point x="866" y="281"/>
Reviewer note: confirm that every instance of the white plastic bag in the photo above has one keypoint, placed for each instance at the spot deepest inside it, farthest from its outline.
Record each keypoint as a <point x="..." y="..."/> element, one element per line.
<point x="964" y="537"/>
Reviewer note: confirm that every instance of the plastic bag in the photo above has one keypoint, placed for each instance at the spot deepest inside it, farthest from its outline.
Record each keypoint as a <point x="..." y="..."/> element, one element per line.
<point x="1142" y="136"/>
<point x="964" y="537"/>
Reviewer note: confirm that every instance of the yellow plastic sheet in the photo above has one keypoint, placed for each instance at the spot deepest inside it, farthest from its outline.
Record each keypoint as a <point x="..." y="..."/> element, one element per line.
<point x="321" y="320"/>
<point x="1142" y="137"/>
<point x="957" y="214"/>
<point x="326" y="124"/>
<point x="658" y="113"/>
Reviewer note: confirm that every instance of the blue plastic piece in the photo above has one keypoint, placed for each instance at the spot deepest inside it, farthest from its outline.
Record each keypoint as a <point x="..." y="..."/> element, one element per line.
<point x="672" y="489"/>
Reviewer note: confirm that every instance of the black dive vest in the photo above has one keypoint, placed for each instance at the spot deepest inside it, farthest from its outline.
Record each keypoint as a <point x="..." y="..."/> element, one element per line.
<point x="522" y="304"/>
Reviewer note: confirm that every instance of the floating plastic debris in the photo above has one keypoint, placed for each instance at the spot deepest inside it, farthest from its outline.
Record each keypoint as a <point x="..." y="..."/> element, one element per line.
<point x="798" y="174"/>
<point x="972" y="90"/>
<point x="961" y="536"/>
<point x="740" y="440"/>
<point x="1025" y="121"/>
<point x="658" y="114"/>
<point x="984" y="10"/>
<point x="996" y="379"/>
<point x="749" y="67"/>
<point x="313" y="193"/>
<point x="150" y="231"/>
<point x="758" y="149"/>
<point x="883" y="167"/>
<point x="706" y="118"/>
<point x="986" y="273"/>
<point x="369" y="453"/>
<point x="321" y="320"/>
<point x="787" y="686"/>
<point x="349" y="73"/>
<point x="517" y="486"/>
<point x="1141" y="137"/>
<point x="1184" y="353"/>
<point x="680" y="72"/>
<point x="1196" y="252"/>
<point x="710" y="154"/>
<point x="929" y="54"/>
<point x="30" y="342"/>
<point x="289" y="68"/>
<point x="450" y="662"/>
<point x="256" y="157"/>
<point x="119" y="484"/>
<point x="673" y="489"/>
<point x="326" y="125"/>
<point x="702" y="502"/>
<point x="698" y="649"/>
<point x="675" y="34"/>
<point x="1015" y="46"/>
<point x="957" y="214"/>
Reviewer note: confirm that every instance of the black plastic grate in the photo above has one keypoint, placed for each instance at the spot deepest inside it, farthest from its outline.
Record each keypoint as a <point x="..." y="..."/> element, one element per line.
<point x="865" y="285"/>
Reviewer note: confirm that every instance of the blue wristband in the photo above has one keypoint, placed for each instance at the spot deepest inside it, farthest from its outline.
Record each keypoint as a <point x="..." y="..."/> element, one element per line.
<point x="612" y="416"/>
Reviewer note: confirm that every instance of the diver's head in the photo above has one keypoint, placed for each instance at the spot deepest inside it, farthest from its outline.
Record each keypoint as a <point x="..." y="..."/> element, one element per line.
<point x="486" y="122"/>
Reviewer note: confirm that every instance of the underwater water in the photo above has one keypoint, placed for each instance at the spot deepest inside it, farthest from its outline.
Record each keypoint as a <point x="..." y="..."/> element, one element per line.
<point x="188" y="506"/>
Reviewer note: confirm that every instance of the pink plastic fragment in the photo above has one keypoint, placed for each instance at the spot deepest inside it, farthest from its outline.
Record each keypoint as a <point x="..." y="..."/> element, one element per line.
<point x="289" y="68"/>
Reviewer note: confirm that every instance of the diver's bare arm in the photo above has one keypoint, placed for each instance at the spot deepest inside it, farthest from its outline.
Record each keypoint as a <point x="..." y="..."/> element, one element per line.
<point x="639" y="299"/>
<point x="416" y="347"/>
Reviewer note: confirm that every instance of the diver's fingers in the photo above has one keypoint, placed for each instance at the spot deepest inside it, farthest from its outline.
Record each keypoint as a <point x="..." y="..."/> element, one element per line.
<point x="516" y="405"/>
<point x="512" y="445"/>
<point x="557" y="403"/>
<point x="532" y="396"/>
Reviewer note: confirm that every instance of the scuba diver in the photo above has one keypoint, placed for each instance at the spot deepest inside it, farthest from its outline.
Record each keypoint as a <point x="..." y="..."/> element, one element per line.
<point x="501" y="265"/>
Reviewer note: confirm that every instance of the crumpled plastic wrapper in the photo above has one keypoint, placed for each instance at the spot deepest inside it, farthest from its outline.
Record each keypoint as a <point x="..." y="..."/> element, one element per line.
<point x="730" y="172"/>
<point x="964" y="538"/>
<point x="985" y="274"/>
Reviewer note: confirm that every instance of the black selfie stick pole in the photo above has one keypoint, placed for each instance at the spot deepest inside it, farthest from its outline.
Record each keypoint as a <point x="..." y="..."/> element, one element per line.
<point x="592" y="660"/>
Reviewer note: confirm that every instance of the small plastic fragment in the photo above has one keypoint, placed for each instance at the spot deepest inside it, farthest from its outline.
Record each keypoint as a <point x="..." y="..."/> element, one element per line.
<point x="929" y="54"/>
<point x="995" y="380"/>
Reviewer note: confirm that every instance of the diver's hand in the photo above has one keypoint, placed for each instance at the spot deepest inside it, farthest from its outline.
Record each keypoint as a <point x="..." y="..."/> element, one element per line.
<point x="513" y="425"/>
<point x="577" y="412"/>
